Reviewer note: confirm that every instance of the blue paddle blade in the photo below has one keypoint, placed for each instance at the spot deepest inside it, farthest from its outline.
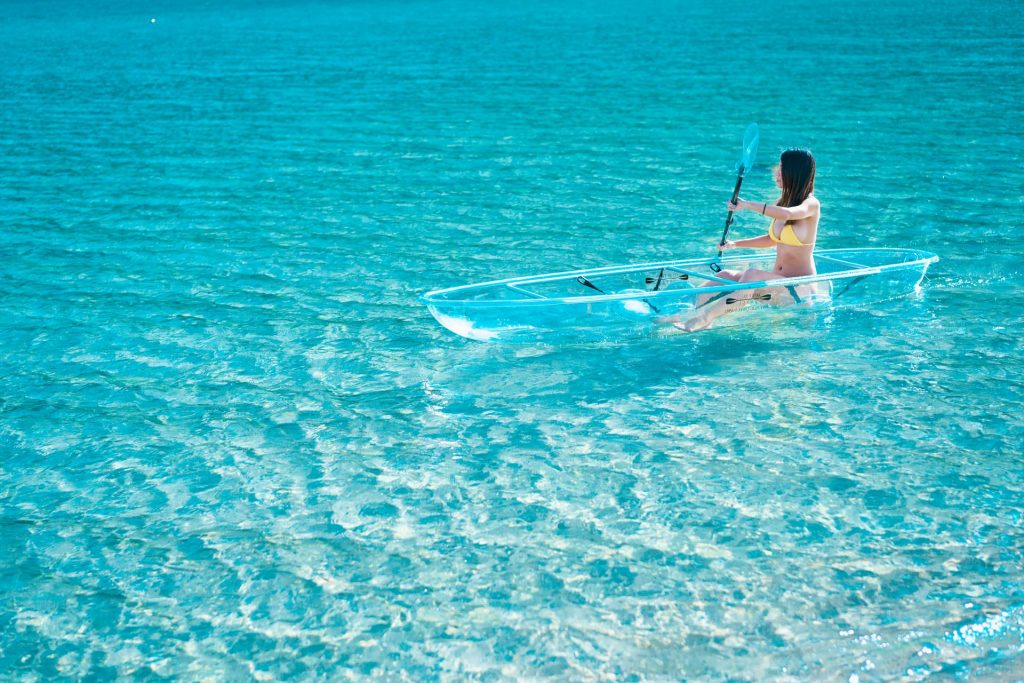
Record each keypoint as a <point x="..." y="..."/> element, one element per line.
<point x="750" y="140"/>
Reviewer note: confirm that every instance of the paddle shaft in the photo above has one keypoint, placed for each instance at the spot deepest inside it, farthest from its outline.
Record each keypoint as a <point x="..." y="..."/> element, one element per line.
<point x="728" y="219"/>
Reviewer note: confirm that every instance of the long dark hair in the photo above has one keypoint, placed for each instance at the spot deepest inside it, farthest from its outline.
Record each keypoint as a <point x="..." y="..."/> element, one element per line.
<point x="797" y="166"/>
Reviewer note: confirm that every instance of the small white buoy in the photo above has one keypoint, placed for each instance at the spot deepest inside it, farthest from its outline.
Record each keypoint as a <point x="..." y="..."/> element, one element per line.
<point x="153" y="20"/>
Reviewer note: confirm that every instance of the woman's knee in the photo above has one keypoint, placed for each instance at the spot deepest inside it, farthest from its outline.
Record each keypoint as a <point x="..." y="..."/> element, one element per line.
<point x="751" y="276"/>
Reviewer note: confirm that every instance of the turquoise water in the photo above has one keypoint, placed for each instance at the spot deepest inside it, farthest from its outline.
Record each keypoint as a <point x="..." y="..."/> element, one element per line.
<point x="235" y="445"/>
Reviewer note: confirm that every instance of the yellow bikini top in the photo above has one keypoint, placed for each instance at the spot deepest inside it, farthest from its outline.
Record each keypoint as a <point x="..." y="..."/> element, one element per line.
<point x="786" y="236"/>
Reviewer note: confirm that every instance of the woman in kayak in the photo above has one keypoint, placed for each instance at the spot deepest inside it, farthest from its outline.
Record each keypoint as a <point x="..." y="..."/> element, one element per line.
<point x="792" y="231"/>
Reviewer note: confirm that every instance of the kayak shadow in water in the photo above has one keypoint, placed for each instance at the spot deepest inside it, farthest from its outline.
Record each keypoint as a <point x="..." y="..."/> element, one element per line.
<point x="582" y="370"/>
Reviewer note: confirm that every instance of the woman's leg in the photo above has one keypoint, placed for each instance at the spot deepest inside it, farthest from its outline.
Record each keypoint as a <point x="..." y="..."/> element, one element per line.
<point x="733" y="275"/>
<point x="806" y="295"/>
<point x="721" y="306"/>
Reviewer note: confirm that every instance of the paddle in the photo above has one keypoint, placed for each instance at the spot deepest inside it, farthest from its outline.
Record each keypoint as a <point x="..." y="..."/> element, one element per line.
<point x="746" y="162"/>
<point x="759" y="297"/>
<point x="582" y="279"/>
<point x="661" y="278"/>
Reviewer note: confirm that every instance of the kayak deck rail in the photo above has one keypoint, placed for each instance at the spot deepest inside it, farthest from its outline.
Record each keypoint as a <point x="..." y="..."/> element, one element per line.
<point x="527" y="292"/>
<point x="855" y="266"/>
<point x="903" y="258"/>
<point x="713" y="278"/>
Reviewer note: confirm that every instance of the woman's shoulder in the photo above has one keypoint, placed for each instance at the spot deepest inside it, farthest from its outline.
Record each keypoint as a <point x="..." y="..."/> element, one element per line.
<point x="813" y="204"/>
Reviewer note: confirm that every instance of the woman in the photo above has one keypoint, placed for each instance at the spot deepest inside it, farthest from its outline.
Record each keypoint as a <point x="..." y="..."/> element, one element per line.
<point x="792" y="231"/>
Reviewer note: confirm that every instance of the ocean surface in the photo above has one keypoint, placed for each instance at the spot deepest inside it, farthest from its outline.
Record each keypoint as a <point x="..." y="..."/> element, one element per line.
<point x="234" y="445"/>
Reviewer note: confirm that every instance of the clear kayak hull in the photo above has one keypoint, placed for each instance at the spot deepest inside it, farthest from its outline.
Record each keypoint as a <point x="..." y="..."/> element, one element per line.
<point x="618" y="302"/>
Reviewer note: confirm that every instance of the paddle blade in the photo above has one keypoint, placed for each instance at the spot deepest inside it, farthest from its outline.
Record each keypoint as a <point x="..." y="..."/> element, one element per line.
<point x="750" y="140"/>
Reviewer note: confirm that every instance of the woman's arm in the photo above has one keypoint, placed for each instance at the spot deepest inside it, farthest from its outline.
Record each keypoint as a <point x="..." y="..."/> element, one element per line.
<point x="810" y="207"/>
<point x="762" y="242"/>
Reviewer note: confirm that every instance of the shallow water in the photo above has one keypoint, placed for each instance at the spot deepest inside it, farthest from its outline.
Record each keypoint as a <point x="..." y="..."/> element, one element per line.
<point x="235" y="445"/>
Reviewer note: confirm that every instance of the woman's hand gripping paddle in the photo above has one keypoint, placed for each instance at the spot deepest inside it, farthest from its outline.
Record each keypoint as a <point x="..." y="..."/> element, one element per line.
<point x="746" y="162"/>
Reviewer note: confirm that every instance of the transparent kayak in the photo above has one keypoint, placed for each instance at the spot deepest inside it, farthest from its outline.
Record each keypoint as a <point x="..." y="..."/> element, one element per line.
<point x="617" y="302"/>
